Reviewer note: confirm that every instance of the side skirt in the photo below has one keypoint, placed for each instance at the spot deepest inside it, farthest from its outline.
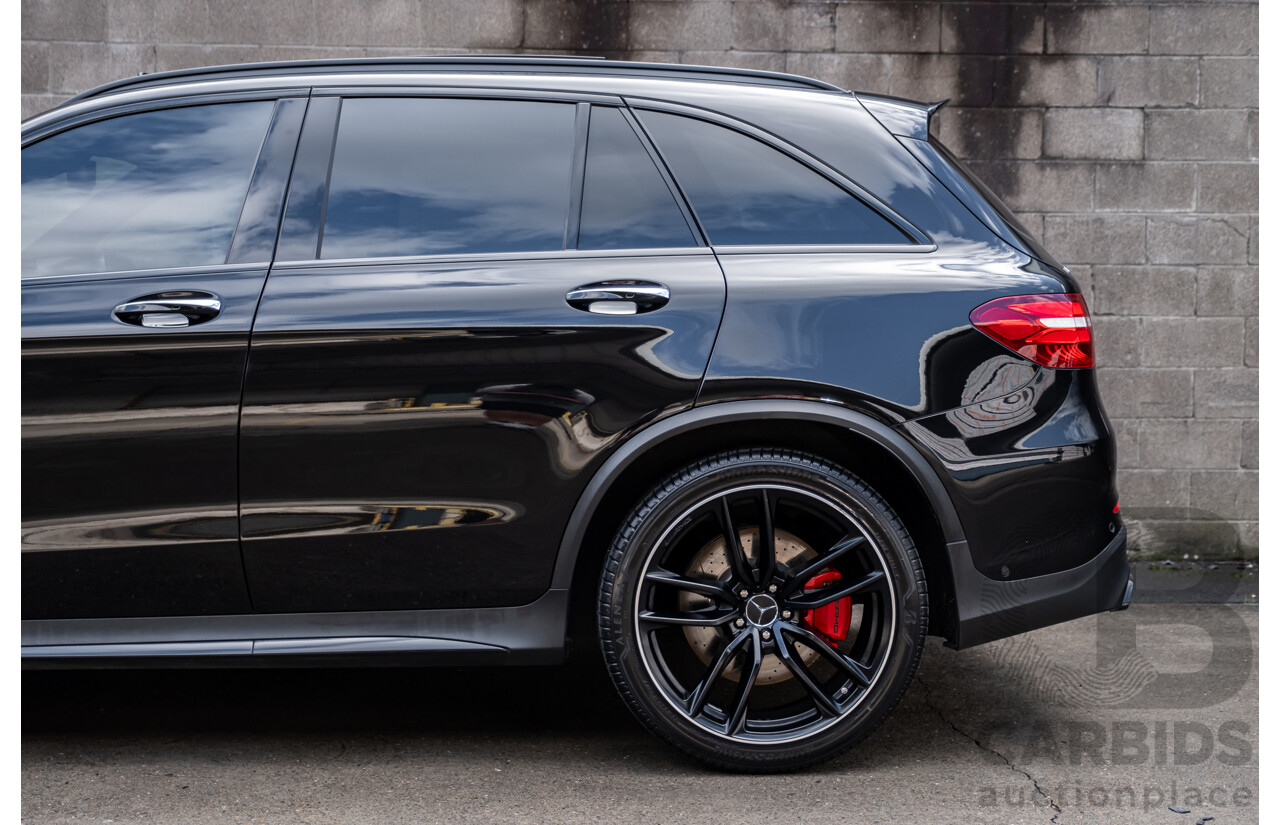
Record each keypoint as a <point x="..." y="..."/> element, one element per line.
<point x="532" y="634"/>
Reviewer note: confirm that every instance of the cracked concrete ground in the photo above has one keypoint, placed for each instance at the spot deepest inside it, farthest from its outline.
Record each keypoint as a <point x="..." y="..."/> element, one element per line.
<point x="1111" y="718"/>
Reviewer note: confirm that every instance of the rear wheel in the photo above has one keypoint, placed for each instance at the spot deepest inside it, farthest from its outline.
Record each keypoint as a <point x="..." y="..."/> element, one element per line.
<point x="762" y="610"/>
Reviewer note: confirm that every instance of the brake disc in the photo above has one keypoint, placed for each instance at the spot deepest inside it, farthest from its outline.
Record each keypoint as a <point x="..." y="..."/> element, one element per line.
<point x="711" y="562"/>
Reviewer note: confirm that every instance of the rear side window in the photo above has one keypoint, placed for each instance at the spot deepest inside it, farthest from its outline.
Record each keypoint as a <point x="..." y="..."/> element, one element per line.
<point x="746" y="192"/>
<point x="415" y="176"/>
<point x="625" y="202"/>
<point x="143" y="191"/>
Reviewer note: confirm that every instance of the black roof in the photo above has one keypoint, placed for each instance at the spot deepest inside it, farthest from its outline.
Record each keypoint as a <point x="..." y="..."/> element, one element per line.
<point x="513" y="64"/>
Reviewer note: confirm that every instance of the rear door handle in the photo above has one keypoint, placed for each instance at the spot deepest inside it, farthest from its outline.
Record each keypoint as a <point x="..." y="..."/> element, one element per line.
<point x="169" y="309"/>
<point x="619" y="297"/>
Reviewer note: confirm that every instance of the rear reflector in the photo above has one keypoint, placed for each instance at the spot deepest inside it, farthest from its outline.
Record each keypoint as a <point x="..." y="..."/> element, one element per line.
<point x="1052" y="330"/>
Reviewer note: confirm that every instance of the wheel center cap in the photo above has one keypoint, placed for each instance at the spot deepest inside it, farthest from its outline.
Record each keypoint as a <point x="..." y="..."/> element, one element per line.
<point x="761" y="610"/>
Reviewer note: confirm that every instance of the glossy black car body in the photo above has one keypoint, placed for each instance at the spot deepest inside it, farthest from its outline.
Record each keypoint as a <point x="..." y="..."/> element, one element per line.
<point x="428" y="454"/>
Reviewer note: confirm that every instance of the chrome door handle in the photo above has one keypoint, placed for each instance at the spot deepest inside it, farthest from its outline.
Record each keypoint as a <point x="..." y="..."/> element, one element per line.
<point x="169" y="309"/>
<point x="619" y="297"/>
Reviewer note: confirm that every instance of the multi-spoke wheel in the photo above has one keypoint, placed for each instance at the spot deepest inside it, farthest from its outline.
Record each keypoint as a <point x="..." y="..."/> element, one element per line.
<point x="762" y="610"/>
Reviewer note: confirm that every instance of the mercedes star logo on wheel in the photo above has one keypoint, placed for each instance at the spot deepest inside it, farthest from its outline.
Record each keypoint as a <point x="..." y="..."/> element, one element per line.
<point x="761" y="610"/>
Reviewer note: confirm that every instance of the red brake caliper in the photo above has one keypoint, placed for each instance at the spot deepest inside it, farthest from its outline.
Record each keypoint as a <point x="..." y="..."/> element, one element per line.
<point x="831" y="620"/>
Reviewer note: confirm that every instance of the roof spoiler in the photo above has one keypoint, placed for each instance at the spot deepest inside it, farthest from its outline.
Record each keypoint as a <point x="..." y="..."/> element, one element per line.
<point x="904" y="118"/>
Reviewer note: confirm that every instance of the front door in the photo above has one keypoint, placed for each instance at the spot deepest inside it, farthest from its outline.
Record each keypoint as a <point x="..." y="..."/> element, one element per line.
<point x="138" y="297"/>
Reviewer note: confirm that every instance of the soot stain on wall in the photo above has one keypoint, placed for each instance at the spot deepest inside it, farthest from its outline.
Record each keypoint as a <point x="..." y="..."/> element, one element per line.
<point x="585" y="27"/>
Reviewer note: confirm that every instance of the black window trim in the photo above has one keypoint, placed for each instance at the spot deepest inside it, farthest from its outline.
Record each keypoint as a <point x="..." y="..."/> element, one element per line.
<point x="258" y="176"/>
<point x="302" y="220"/>
<point x="921" y="243"/>
<point x="690" y="219"/>
<point x="258" y="227"/>
<point x="577" y="176"/>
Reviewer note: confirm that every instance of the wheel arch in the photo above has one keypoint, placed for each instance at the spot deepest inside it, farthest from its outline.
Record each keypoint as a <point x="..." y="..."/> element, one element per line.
<point x="866" y="447"/>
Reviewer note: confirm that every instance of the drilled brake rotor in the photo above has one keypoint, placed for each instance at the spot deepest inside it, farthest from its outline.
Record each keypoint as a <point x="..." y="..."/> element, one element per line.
<point x="711" y="562"/>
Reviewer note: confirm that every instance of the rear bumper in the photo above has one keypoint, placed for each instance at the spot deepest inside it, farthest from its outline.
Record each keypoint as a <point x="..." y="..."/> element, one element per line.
<point x="988" y="610"/>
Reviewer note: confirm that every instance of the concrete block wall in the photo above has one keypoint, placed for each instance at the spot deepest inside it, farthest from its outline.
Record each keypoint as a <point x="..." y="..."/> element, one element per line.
<point x="1125" y="134"/>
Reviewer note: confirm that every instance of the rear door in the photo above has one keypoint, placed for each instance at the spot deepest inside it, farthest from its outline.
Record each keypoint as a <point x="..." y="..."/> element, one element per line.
<point x="450" y="344"/>
<point x="146" y="241"/>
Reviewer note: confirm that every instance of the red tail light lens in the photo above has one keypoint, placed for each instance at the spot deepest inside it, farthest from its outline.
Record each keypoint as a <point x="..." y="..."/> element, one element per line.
<point x="1052" y="330"/>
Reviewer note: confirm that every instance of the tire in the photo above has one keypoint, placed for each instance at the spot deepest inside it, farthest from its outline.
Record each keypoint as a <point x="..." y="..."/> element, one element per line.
<point x="731" y="650"/>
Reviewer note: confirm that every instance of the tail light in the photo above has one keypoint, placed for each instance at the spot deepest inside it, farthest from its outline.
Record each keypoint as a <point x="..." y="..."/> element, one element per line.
<point x="1052" y="330"/>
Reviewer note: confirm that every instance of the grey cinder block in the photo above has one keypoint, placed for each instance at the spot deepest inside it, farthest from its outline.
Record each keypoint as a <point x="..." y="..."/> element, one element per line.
<point x="860" y="72"/>
<point x="1192" y="342"/>
<point x="472" y="24"/>
<point x="1098" y="239"/>
<point x="1249" y="445"/>
<point x="1231" y="495"/>
<point x="992" y="133"/>
<point x="1028" y="186"/>
<point x="1189" y="444"/>
<point x="83" y="20"/>
<point x="35" y="67"/>
<point x="1229" y="82"/>
<point x="1147" y="393"/>
<point x="992" y="28"/>
<point x="280" y="22"/>
<point x="159" y="21"/>
<point x="1148" y="82"/>
<point x="1146" y="187"/>
<point x="1227" y="290"/>
<point x="1226" y="393"/>
<point x="1093" y="133"/>
<point x="1047" y="81"/>
<point x="702" y="25"/>
<point x="1220" y="134"/>
<point x="966" y="80"/>
<point x="1205" y="28"/>
<point x="1154" y="488"/>
<point x="1080" y="29"/>
<point x="769" y="25"/>
<point x="75" y="67"/>
<point x="1197" y="240"/>
<point x="1144" y="290"/>
<point x="1228" y="187"/>
<point x="374" y="23"/>
<point x="1116" y="341"/>
<point x="888" y="27"/>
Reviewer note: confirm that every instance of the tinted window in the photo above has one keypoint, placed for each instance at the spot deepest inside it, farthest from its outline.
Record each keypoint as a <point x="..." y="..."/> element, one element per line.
<point x="746" y="192"/>
<point x="143" y="191"/>
<point x="430" y="176"/>
<point x="625" y="202"/>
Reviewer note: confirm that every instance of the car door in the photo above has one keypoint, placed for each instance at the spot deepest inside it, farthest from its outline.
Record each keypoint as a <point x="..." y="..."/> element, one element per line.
<point x="146" y="241"/>
<point x="450" y="343"/>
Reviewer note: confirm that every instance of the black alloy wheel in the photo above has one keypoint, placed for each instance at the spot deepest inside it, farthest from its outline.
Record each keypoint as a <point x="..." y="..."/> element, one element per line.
<point x="762" y="610"/>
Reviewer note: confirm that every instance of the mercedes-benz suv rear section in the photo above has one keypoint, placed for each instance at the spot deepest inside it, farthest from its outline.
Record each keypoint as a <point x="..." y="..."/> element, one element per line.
<point x="738" y="379"/>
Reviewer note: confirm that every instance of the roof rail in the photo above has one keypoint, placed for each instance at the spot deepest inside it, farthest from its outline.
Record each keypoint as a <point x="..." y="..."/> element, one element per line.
<point x="466" y="63"/>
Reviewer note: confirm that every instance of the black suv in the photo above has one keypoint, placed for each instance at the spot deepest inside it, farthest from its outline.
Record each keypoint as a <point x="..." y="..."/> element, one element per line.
<point x="444" y="359"/>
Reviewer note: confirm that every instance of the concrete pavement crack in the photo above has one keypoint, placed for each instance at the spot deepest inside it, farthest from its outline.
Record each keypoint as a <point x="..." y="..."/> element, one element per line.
<point x="928" y="700"/>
